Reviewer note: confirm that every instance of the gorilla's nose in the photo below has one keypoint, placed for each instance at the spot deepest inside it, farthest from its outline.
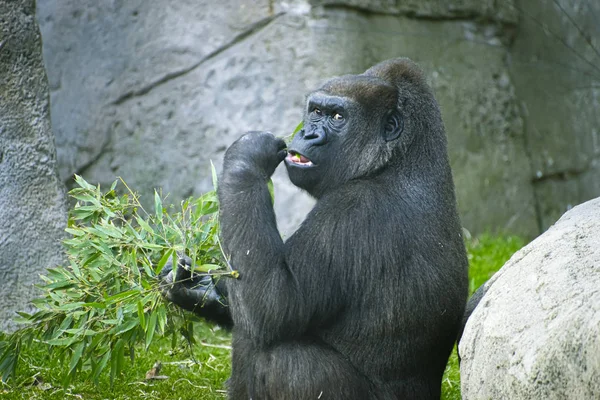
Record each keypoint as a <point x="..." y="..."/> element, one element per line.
<point x="314" y="135"/>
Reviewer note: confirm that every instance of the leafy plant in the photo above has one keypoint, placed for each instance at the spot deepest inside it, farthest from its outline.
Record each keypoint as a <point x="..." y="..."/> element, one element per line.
<point x="95" y="310"/>
<point x="487" y="254"/>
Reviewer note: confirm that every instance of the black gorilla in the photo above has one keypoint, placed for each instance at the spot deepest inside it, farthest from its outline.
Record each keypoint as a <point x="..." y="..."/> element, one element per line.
<point x="365" y="299"/>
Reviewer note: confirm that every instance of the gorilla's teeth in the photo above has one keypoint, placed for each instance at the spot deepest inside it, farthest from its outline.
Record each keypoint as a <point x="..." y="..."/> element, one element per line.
<point x="299" y="159"/>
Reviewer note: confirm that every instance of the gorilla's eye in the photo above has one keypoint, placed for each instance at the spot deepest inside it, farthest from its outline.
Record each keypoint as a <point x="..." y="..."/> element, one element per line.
<point x="338" y="117"/>
<point x="317" y="111"/>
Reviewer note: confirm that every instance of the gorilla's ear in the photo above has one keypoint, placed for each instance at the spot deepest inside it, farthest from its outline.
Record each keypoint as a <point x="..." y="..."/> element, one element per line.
<point x="393" y="126"/>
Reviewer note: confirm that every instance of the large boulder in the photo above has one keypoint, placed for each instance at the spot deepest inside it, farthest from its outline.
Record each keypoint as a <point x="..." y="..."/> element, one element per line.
<point x="32" y="202"/>
<point x="536" y="332"/>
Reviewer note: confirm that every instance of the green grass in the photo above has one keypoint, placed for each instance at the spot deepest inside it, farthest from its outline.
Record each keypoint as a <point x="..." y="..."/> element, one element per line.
<point x="203" y="375"/>
<point x="197" y="378"/>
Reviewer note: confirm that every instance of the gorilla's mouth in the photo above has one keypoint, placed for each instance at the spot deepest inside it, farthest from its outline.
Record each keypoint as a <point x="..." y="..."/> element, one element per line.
<point x="296" y="158"/>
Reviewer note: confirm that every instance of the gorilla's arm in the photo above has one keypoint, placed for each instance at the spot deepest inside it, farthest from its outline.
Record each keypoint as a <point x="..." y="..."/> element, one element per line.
<point x="266" y="300"/>
<point x="197" y="293"/>
<point x="472" y="303"/>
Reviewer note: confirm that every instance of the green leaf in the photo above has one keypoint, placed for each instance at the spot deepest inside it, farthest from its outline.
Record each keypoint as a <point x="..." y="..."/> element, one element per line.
<point x="151" y="328"/>
<point x="147" y="267"/>
<point x="162" y="318"/>
<point x="75" y="231"/>
<point x="126" y="327"/>
<point x="207" y="267"/>
<point x="130" y="230"/>
<point x="110" y="230"/>
<point x="158" y="208"/>
<point x="271" y="190"/>
<point x="64" y="342"/>
<point x="70" y="306"/>
<point x="9" y="357"/>
<point x="121" y="296"/>
<point x="83" y="183"/>
<point x="87" y="208"/>
<point x="163" y="260"/>
<point x="141" y="315"/>
<point x="24" y="315"/>
<point x="80" y="331"/>
<point x="77" y="352"/>
<point x="59" y="285"/>
<point x="65" y="324"/>
<point x="87" y="198"/>
<point x="144" y="225"/>
<point x="174" y="335"/>
<point x="116" y="360"/>
<point x="99" y="367"/>
<point x="152" y="246"/>
<point x="79" y="214"/>
<point x="205" y="209"/>
<point x="100" y="306"/>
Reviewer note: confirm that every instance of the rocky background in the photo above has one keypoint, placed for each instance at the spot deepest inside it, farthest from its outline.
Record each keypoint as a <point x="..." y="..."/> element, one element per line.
<point x="153" y="90"/>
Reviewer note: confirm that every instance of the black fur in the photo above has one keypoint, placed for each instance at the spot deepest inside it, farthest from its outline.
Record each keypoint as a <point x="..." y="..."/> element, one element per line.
<point x="198" y="293"/>
<point x="365" y="299"/>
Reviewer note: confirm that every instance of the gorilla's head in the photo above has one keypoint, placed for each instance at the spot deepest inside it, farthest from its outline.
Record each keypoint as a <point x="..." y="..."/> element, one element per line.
<point x="355" y="125"/>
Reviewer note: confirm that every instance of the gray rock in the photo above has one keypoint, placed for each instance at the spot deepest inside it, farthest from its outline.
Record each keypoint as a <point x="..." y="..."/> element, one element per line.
<point x="485" y="9"/>
<point x="536" y="332"/>
<point x="556" y="75"/>
<point x="32" y="203"/>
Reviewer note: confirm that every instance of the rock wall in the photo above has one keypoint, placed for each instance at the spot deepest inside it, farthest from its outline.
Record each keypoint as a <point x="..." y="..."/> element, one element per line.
<point x="32" y="202"/>
<point x="536" y="332"/>
<point x="152" y="91"/>
<point x="555" y="67"/>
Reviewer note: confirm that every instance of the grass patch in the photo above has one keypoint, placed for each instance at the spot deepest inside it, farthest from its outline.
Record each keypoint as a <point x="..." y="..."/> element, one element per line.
<point x="487" y="254"/>
<point x="204" y="375"/>
<point x="200" y="377"/>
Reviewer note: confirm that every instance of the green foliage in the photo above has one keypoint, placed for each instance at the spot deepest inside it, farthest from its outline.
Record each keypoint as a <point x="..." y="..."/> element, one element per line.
<point x="487" y="254"/>
<point x="93" y="312"/>
<point x="451" y="379"/>
<point x="200" y="377"/>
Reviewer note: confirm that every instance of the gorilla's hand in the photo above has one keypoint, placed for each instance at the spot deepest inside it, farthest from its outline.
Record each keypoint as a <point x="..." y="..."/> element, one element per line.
<point x="257" y="153"/>
<point x="171" y="282"/>
<point x="198" y="293"/>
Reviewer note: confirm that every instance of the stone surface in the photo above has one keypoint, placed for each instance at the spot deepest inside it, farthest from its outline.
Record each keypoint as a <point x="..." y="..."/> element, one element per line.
<point x="32" y="203"/>
<point x="504" y="11"/>
<point x="152" y="92"/>
<point x="536" y="332"/>
<point x="556" y="74"/>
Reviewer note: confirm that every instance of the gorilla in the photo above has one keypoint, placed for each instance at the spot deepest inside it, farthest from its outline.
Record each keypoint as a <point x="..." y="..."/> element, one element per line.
<point x="365" y="299"/>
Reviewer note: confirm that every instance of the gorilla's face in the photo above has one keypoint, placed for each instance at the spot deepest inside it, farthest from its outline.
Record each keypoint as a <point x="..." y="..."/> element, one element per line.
<point x="317" y="148"/>
<point x="343" y="134"/>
